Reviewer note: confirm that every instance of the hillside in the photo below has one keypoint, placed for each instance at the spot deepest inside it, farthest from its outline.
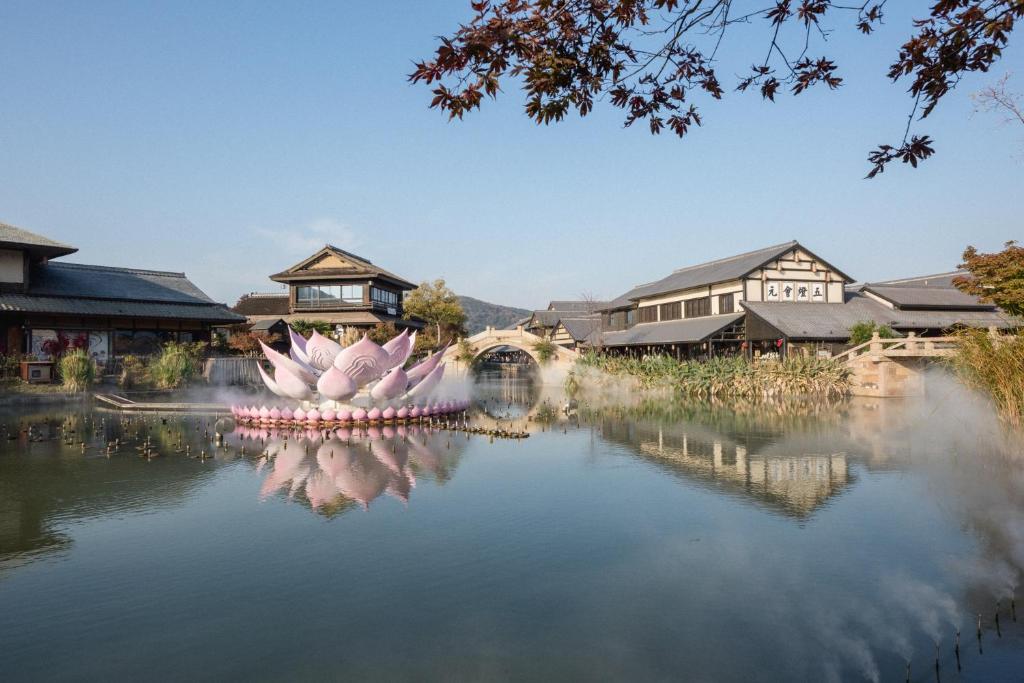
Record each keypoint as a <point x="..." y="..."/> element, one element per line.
<point x="480" y="314"/>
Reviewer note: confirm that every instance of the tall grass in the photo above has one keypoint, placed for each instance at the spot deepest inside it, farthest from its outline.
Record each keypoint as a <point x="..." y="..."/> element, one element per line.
<point x="77" y="370"/>
<point x="727" y="377"/>
<point x="175" y="365"/>
<point x="994" y="366"/>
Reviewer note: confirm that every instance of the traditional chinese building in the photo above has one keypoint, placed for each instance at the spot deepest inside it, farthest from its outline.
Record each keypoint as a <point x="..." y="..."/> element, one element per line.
<point x="778" y="300"/>
<point x="110" y="311"/>
<point x="336" y="286"/>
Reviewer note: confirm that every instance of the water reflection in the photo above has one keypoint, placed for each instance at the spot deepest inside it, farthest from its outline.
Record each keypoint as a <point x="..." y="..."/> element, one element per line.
<point x="334" y="471"/>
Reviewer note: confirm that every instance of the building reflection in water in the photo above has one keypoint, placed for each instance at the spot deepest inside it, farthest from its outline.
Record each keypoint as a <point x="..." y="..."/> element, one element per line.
<point x="775" y="473"/>
<point x="334" y="471"/>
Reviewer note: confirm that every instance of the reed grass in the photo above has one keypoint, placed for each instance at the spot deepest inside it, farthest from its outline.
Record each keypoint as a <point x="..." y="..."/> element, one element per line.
<point x="994" y="366"/>
<point x="175" y="365"/>
<point x="77" y="370"/>
<point x="727" y="377"/>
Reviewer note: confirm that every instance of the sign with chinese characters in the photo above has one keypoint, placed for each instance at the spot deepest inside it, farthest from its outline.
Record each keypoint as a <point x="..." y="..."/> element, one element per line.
<point x="788" y="291"/>
<point x="817" y="292"/>
<point x="803" y="291"/>
<point x="771" y="291"/>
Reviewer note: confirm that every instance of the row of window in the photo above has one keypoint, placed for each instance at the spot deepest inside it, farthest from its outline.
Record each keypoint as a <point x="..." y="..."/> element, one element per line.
<point x="692" y="308"/>
<point x="321" y="295"/>
<point x="384" y="296"/>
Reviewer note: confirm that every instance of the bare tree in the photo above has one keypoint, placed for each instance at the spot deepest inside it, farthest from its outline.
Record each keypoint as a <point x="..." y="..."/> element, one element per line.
<point x="998" y="99"/>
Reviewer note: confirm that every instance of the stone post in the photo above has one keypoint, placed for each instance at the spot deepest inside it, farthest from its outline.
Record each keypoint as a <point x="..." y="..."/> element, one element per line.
<point x="876" y="343"/>
<point x="911" y="344"/>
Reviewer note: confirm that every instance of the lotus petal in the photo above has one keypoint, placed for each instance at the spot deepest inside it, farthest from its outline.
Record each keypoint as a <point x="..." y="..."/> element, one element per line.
<point x="292" y="385"/>
<point x="281" y="361"/>
<point x="392" y="385"/>
<point x="399" y="349"/>
<point x="271" y="384"/>
<point x="420" y="370"/>
<point x="363" y="361"/>
<point x="336" y="385"/>
<point x="423" y="389"/>
<point x="321" y="351"/>
<point x="297" y="339"/>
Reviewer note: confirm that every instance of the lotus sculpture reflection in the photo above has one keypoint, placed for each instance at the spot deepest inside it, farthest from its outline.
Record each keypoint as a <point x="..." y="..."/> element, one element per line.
<point x="360" y="382"/>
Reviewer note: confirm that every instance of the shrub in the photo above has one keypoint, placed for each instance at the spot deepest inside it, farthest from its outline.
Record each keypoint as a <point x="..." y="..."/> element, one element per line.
<point x="306" y="327"/>
<point x="994" y="366"/>
<point x="381" y="333"/>
<point x="466" y="354"/>
<point x="175" y="365"/>
<point x="862" y="332"/>
<point x="545" y="350"/>
<point x="133" y="372"/>
<point x="248" y="343"/>
<point x="77" y="370"/>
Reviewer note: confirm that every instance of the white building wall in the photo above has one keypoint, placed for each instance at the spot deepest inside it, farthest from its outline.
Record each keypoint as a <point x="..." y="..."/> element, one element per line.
<point x="12" y="266"/>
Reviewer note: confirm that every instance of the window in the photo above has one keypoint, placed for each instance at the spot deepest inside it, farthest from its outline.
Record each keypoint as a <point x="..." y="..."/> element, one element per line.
<point x="672" y="311"/>
<point x="648" y="314"/>
<point x="727" y="303"/>
<point x="328" y="295"/>
<point x="630" y="318"/>
<point x="697" y="308"/>
<point x="384" y="296"/>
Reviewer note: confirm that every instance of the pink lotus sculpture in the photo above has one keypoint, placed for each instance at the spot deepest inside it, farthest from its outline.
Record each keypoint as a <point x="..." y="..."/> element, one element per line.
<point x="319" y="366"/>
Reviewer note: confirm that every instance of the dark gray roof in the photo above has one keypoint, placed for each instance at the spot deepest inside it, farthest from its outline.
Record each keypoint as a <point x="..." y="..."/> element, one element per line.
<point x="906" y="296"/>
<point x="708" y="273"/>
<point x="265" y="324"/>
<point x="576" y="306"/>
<point x="104" y="282"/>
<point x="671" y="332"/>
<point x="546" y="318"/>
<point x="79" y="289"/>
<point x="11" y="236"/>
<point x="56" y="305"/>
<point x="262" y="304"/>
<point x="582" y="329"/>
<point x="833" y="321"/>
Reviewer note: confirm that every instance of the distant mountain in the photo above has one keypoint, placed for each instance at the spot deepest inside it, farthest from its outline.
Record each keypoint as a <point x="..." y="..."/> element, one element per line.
<point x="481" y="314"/>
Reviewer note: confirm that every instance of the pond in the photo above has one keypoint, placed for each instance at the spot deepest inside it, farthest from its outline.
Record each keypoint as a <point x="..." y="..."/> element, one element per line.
<point x="648" y="541"/>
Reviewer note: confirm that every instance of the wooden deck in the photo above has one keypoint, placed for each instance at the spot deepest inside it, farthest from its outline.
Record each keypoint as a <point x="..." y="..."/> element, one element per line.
<point x="125" y="404"/>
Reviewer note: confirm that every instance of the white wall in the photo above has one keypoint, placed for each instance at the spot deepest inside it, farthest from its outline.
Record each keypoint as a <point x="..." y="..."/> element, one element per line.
<point x="12" y="266"/>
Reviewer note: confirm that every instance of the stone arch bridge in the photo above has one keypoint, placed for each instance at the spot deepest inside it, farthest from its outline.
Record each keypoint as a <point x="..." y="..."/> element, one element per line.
<point x="518" y="338"/>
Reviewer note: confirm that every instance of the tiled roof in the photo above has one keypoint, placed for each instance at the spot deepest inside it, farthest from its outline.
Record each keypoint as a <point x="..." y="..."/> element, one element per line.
<point x="671" y="332"/>
<point x="262" y="304"/>
<point x="906" y="296"/>
<point x="79" y="289"/>
<point x="546" y="318"/>
<point x="364" y="268"/>
<point x="576" y="306"/>
<point x="103" y="282"/>
<point x="704" y="274"/>
<point x="57" y="305"/>
<point x="14" y="236"/>
<point x="582" y="329"/>
<point x="833" y="321"/>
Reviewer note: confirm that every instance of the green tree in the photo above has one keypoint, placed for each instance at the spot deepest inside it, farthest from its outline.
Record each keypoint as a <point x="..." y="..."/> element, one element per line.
<point x="997" y="278"/>
<point x="863" y="331"/>
<point x="435" y="303"/>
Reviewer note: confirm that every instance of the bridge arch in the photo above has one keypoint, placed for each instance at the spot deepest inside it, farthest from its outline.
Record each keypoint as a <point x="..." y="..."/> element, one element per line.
<point x="517" y="338"/>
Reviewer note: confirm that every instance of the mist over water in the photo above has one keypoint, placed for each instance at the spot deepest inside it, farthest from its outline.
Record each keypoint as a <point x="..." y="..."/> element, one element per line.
<point x="629" y="537"/>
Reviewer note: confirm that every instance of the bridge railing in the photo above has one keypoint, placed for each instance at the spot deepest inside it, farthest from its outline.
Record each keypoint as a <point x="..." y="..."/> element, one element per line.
<point x="911" y="345"/>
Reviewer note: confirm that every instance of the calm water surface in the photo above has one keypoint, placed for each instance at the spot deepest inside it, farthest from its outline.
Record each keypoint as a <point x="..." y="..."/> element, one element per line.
<point x="642" y="542"/>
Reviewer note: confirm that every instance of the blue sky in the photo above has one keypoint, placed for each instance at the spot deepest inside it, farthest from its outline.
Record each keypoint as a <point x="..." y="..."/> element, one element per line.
<point x="230" y="140"/>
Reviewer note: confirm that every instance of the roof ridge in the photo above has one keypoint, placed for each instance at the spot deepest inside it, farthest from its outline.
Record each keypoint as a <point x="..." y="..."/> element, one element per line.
<point x="135" y="271"/>
<point x="349" y="254"/>
<point x="726" y="259"/>
<point x="915" y="279"/>
<point x="266" y="294"/>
